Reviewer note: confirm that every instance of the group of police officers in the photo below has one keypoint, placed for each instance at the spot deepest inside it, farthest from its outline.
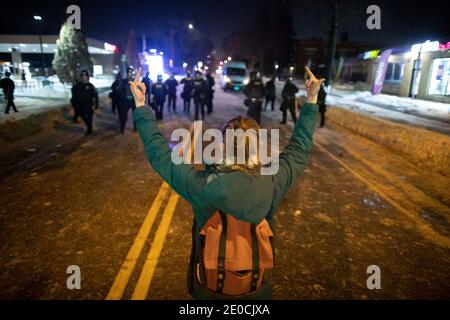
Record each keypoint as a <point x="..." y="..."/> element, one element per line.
<point x="198" y="88"/>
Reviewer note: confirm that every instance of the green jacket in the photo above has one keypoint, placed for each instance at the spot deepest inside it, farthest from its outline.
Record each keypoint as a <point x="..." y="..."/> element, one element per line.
<point x="250" y="198"/>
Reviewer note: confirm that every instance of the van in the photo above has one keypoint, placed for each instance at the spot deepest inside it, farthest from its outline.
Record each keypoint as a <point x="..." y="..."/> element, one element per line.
<point x="234" y="76"/>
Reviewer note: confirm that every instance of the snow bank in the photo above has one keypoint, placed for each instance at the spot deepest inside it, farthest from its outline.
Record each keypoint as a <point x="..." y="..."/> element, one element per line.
<point x="429" y="150"/>
<point x="43" y="92"/>
<point x="408" y="104"/>
<point x="11" y="131"/>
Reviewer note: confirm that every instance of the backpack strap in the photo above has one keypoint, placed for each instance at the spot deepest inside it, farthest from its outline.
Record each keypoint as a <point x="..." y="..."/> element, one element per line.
<point x="221" y="256"/>
<point x="255" y="254"/>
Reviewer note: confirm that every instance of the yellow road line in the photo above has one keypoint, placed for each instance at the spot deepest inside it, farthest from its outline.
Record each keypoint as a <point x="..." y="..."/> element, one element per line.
<point x="124" y="274"/>
<point x="426" y="230"/>
<point x="145" y="279"/>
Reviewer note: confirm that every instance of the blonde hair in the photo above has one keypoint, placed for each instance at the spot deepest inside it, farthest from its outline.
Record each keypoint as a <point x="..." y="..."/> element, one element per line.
<point x="245" y="124"/>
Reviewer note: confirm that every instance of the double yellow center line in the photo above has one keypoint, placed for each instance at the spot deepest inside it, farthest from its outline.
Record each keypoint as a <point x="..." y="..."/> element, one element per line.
<point x="121" y="281"/>
<point x="123" y="276"/>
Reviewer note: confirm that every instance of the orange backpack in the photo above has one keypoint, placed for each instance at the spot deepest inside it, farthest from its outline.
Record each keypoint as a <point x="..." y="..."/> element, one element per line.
<point x="235" y="258"/>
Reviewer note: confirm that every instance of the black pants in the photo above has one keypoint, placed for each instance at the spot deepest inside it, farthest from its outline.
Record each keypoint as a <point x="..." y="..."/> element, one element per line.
<point x="114" y="105"/>
<point x="87" y="114"/>
<point x="172" y="102"/>
<point x="254" y="110"/>
<point x="199" y="108"/>
<point x="76" y="113"/>
<point x="187" y="105"/>
<point x="322" y="111"/>
<point x="289" y="104"/>
<point x="123" y="108"/>
<point x="209" y="105"/>
<point x="270" y="100"/>
<point x="159" y="107"/>
<point x="9" y="104"/>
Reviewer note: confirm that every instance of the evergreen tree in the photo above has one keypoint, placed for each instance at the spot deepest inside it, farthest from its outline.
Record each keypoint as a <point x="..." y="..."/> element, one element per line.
<point x="72" y="55"/>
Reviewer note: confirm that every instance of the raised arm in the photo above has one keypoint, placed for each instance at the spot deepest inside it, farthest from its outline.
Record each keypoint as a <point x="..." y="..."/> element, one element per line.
<point x="186" y="181"/>
<point x="295" y="156"/>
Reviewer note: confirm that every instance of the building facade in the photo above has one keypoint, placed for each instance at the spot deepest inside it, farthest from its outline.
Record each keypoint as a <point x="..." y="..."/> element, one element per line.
<point x="32" y="54"/>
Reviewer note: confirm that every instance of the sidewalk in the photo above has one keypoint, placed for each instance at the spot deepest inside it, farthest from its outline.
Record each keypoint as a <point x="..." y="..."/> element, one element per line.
<point x="28" y="106"/>
<point x="430" y="115"/>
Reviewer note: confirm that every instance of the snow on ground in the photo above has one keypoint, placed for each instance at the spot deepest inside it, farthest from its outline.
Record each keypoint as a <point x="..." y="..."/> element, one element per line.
<point x="28" y="106"/>
<point x="434" y="116"/>
<point x="56" y="89"/>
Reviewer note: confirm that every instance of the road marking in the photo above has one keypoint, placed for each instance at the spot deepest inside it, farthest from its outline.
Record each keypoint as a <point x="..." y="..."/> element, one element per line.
<point x="145" y="279"/>
<point x="124" y="274"/>
<point x="121" y="281"/>
<point x="426" y="230"/>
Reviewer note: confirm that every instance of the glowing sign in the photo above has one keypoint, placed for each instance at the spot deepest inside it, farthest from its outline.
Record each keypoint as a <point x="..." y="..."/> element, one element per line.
<point x="427" y="46"/>
<point x="371" y="54"/>
<point x="444" y="46"/>
<point x="109" y="47"/>
<point x="155" y="65"/>
<point x="98" y="69"/>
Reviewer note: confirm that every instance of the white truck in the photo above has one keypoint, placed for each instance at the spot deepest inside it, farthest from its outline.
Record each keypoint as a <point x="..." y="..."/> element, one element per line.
<point x="234" y="76"/>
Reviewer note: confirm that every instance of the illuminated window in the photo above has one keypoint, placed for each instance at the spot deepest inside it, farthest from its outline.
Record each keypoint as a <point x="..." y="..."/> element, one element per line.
<point x="394" y="72"/>
<point x="440" y="77"/>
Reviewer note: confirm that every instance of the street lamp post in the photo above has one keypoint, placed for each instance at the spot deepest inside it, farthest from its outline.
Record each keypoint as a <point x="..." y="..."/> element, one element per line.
<point x="39" y="19"/>
<point x="174" y="30"/>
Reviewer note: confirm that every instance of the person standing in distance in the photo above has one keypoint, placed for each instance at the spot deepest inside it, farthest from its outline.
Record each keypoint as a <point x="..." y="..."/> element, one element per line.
<point x="85" y="99"/>
<point x="8" y="87"/>
<point x="171" y="86"/>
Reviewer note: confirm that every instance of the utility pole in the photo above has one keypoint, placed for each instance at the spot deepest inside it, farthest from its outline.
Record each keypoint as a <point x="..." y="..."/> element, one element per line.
<point x="332" y="41"/>
<point x="40" y="21"/>
<point x="172" y="44"/>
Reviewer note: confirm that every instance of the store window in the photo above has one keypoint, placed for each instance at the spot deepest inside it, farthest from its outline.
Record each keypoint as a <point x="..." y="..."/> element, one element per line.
<point x="394" y="72"/>
<point x="440" y="77"/>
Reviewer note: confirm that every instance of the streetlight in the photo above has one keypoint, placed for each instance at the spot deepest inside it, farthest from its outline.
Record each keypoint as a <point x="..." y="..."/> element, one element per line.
<point x="229" y="58"/>
<point x="173" y="30"/>
<point x="39" y="19"/>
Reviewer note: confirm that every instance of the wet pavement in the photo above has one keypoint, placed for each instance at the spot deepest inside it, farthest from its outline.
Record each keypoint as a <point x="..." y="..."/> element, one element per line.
<point x="70" y="200"/>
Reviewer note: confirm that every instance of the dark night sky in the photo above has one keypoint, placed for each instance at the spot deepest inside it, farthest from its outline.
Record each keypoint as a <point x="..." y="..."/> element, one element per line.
<point x="402" y="21"/>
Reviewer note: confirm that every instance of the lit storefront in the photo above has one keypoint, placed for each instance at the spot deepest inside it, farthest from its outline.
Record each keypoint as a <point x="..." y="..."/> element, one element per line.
<point x="23" y="53"/>
<point x="421" y="71"/>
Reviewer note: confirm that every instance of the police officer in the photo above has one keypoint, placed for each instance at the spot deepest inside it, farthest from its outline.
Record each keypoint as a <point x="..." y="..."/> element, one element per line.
<point x="115" y="93"/>
<point x="210" y="94"/>
<point x="255" y="92"/>
<point x="200" y="91"/>
<point x="126" y="101"/>
<point x="76" y="111"/>
<point x="171" y="85"/>
<point x="148" y="87"/>
<point x="288" y="95"/>
<point x="270" y="93"/>
<point x="321" y="101"/>
<point x="159" y="97"/>
<point x="84" y="98"/>
<point x="186" y="95"/>
<point x="8" y="87"/>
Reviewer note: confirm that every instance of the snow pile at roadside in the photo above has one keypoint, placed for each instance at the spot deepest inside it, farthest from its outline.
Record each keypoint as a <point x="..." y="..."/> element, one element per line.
<point x="402" y="103"/>
<point x="44" y="92"/>
<point x="428" y="150"/>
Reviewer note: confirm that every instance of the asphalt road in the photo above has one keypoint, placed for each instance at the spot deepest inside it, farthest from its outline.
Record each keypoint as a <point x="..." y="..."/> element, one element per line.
<point x="96" y="203"/>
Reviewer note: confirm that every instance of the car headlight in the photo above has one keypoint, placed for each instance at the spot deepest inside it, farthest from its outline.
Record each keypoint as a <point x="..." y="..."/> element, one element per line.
<point x="227" y="79"/>
<point x="246" y="82"/>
